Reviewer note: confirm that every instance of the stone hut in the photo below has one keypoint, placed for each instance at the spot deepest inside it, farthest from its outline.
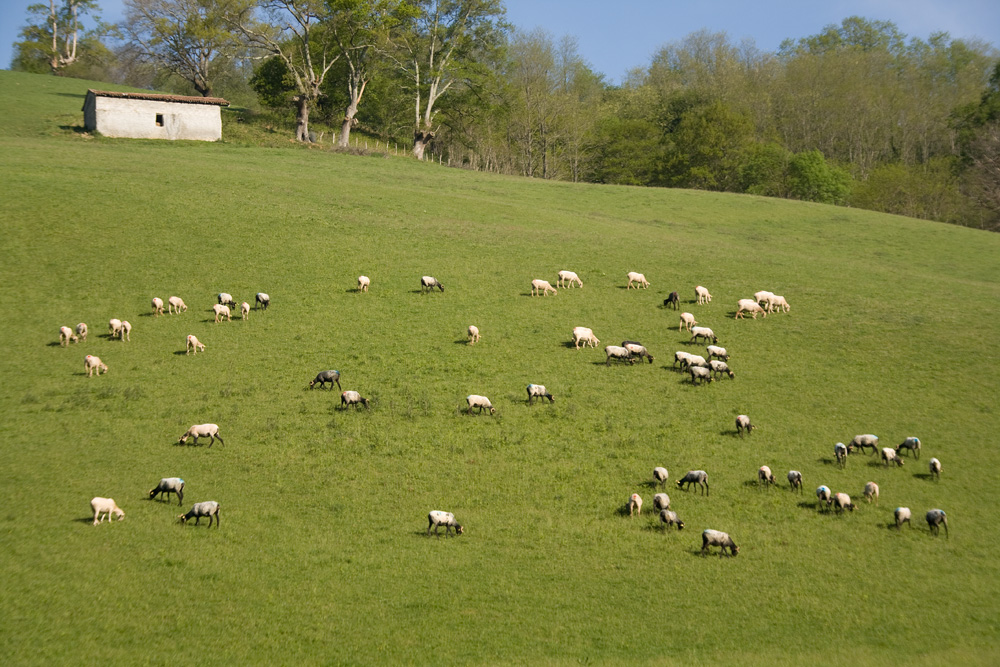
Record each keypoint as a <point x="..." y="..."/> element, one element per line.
<point x="151" y="116"/>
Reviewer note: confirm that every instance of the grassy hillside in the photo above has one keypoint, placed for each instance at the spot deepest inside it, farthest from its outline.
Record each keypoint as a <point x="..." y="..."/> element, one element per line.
<point x="323" y="558"/>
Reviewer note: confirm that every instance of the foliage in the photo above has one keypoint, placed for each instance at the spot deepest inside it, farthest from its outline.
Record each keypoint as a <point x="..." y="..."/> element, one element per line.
<point x="810" y="177"/>
<point x="273" y="83"/>
<point x="56" y="39"/>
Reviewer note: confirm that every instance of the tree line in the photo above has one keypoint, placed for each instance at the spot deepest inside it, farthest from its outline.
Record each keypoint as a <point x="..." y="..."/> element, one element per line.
<point x="857" y="114"/>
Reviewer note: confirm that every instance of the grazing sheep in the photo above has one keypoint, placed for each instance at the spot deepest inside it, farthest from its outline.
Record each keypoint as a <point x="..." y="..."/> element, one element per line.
<point x="669" y="518"/>
<point x="702" y="294"/>
<point x="210" y="431"/>
<point x="349" y="398"/>
<point x="743" y="425"/>
<point x="175" y="304"/>
<point x="935" y="519"/>
<point x="762" y="296"/>
<point x="428" y="283"/>
<point x="687" y="321"/>
<point x="765" y="476"/>
<point x="775" y="302"/>
<point x="481" y="402"/>
<point x="115" y="327"/>
<point x="107" y="507"/>
<point x="716" y="352"/>
<point x="538" y="391"/>
<point x="748" y="306"/>
<point x="244" y="310"/>
<point x="700" y="373"/>
<point x="660" y="475"/>
<point x="703" y="332"/>
<point x="66" y="335"/>
<point x="902" y="514"/>
<point x="841" y="502"/>
<point x="262" y="299"/>
<point x="209" y="508"/>
<point x="473" y="334"/>
<point x="795" y="480"/>
<point x="825" y="495"/>
<point x="226" y="299"/>
<point x="437" y="518"/>
<point x="157" y="306"/>
<point x="935" y="469"/>
<point x="682" y="357"/>
<point x="569" y="279"/>
<point x="871" y="491"/>
<point x="661" y="501"/>
<point x="634" y="505"/>
<point x="716" y="538"/>
<point x="363" y="283"/>
<point x="840" y="451"/>
<point x="637" y="278"/>
<point x="541" y="286"/>
<point x="863" y="441"/>
<point x="126" y="330"/>
<point x="721" y="367"/>
<point x="193" y="344"/>
<point x="81" y="330"/>
<point x="638" y="350"/>
<point x="220" y="312"/>
<point x="889" y="456"/>
<point x="585" y="336"/>
<point x="92" y="363"/>
<point x="699" y="477"/>
<point x="912" y="444"/>
<point x="673" y="301"/>
<point x="697" y="360"/>
<point x="167" y="486"/>
<point x="326" y="376"/>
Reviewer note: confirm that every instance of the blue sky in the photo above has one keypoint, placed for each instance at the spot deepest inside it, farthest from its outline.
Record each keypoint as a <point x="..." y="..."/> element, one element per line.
<point x="616" y="37"/>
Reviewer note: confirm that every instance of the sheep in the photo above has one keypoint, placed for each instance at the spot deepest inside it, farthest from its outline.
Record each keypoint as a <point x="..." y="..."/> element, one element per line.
<point x="660" y="475"/>
<point x="363" y="283"/>
<point x="748" y="306"/>
<point x="481" y="402"/>
<point x="167" y="486"/>
<point x="115" y="327"/>
<point x="126" y="330"/>
<point x="262" y="299"/>
<point x="825" y="495"/>
<point x="209" y="508"/>
<point x="935" y="469"/>
<point x="210" y="431"/>
<point x="661" y="501"/>
<point x="473" y="334"/>
<point x="66" y="335"/>
<point x="175" y="304"/>
<point x="721" y="368"/>
<point x="349" y="398"/>
<point x="840" y="452"/>
<point x="673" y="300"/>
<point x="889" y="456"/>
<point x="81" y="330"/>
<point x="743" y="425"/>
<point x="669" y="518"/>
<point x="226" y="299"/>
<point x="841" y="502"/>
<point x="634" y="505"/>
<point x="902" y="514"/>
<point x="699" y="477"/>
<point x="702" y="294"/>
<point x="157" y="306"/>
<point x="437" y="518"/>
<point x="428" y="283"/>
<point x="935" y="519"/>
<point x="637" y="278"/>
<point x="795" y="480"/>
<point x="765" y="476"/>
<point x="568" y="279"/>
<point x="220" y="312"/>
<point x="775" y="302"/>
<point x="912" y="444"/>
<point x="193" y="344"/>
<point x="762" y="296"/>
<point x="244" y="310"/>
<point x="538" y="391"/>
<point x="703" y="332"/>
<point x="687" y="321"/>
<point x="638" y="350"/>
<point x="92" y="363"/>
<point x="682" y="357"/>
<point x="541" y="286"/>
<point x="716" y="538"/>
<point x="585" y="336"/>
<point x="326" y="376"/>
<point x="871" y="491"/>
<point x="862" y="441"/>
<point x="107" y="507"/>
<point x="700" y="373"/>
<point x="716" y="352"/>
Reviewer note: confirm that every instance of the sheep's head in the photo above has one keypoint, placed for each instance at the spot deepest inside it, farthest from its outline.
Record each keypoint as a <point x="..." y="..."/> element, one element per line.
<point x="734" y="549"/>
<point x="458" y="529"/>
<point x="493" y="410"/>
<point x="152" y="492"/>
<point x="680" y="525"/>
<point x="182" y="518"/>
<point x="118" y="512"/>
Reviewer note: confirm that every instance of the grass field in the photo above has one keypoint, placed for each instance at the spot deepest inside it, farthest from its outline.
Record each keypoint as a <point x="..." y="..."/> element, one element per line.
<point x="323" y="558"/>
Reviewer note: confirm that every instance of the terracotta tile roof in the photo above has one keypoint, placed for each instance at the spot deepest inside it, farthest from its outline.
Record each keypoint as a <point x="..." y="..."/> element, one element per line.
<point x="160" y="98"/>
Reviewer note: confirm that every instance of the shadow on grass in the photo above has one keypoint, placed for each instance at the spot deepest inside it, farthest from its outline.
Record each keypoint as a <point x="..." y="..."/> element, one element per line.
<point x="89" y="519"/>
<point x="731" y="432"/>
<point x="182" y="353"/>
<point x="825" y="460"/>
<point x="926" y="476"/>
<point x="461" y="341"/>
<point x="54" y="343"/>
<point x="149" y="314"/>
<point x="807" y="505"/>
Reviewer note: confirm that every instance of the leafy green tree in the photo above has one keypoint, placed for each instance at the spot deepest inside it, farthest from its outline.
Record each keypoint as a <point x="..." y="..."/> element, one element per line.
<point x="707" y="149"/>
<point x="57" y="39"/>
<point x="810" y="177"/>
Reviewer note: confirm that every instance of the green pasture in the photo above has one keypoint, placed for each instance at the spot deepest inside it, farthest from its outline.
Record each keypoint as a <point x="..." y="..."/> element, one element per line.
<point x="321" y="557"/>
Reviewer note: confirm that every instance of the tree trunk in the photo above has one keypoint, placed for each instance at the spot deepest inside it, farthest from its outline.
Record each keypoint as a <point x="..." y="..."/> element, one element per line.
<point x="421" y="140"/>
<point x="349" y="122"/>
<point x="302" y="127"/>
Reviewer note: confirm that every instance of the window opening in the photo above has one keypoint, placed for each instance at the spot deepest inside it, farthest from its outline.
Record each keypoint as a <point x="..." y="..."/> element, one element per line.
<point x="159" y="120"/>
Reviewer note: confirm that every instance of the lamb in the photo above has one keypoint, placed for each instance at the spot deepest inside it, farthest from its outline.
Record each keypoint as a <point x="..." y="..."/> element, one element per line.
<point x="167" y="486"/>
<point x="889" y="456"/>
<point x="765" y="476"/>
<point x="775" y="302"/>
<point x="326" y="376"/>
<point x="175" y="304"/>
<point x="220" y="312"/>
<point x="244" y="310"/>
<point x="637" y="278"/>
<point x="912" y="444"/>
<point x="126" y="330"/>
<point x="660" y="475"/>
<point x="871" y="491"/>
<point x="115" y="327"/>
<point x="743" y="425"/>
<point x="262" y="299"/>
<point x="209" y="508"/>
<point x="349" y="398"/>
<point x="473" y="334"/>
<point x="585" y="336"/>
<point x="669" y="518"/>
<point x="66" y="335"/>
<point x="716" y="352"/>
<point x="700" y="373"/>
<point x="81" y="330"/>
<point x="634" y="505"/>
<point x="702" y="294"/>
<point x="841" y="502"/>
<point x="699" y="477"/>
<point x="902" y="514"/>
<point x="703" y="332"/>
<point x="661" y="501"/>
<point x="637" y="349"/>
<point x="935" y="519"/>
<point x="672" y="301"/>
<point x="437" y="518"/>
<point x="862" y="441"/>
<point x="210" y="431"/>
<point x="722" y="368"/>
<point x="840" y="451"/>
<point x="748" y="306"/>
<point x="762" y="296"/>
<point x="568" y="279"/>
<point x="481" y="402"/>
<point x="716" y="538"/>
<point x="935" y="469"/>
<point x="157" y="306"/>
<point x="92" y="363"/>
<point x="687" y="321"/>
<point x="541" y="286"/>
<point x="363" y="283"/>
<point x="428" y="283"/>
<point x="538" y="391"/>
<point x="795" y="480"/>
<point x="107" y="507"/>
<point x="825" y="495"/>
<point x="226" y="299"/>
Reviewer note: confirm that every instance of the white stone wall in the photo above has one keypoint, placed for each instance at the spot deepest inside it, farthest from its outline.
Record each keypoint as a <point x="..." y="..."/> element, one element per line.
<point x="138" y="119"/>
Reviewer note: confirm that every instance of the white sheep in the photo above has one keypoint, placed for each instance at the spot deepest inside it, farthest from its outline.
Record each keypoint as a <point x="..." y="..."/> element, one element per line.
<point x="634" y="505"/>
<point x="638" y="350"/>
<point x="795" y="480"/>
<point x="363" y="283"/>
<point x="541" y="286"/>
<point x="776" y="302"/>
<point x="637" y="278"/>
<point x="209" y="508"/>
<point x="538" y="391"/>
<point x="825" y="495"/>
<point x="126" y="330"/>
<point x="175" y="304"/>
<point x="871" y="491"/>
<point x="863" y="441"/>
<point x="695" y="360"/>
<point x="115" y="327"/>
<point x="669" y="518"/>
<point x="437" y="518"/>
<point x="349" y="398"/>
<point x="765" y="476"/>
<point x="716" y="352"/>
<point x="428" y="283"/>
<point x="743" y="425"/>
<point x="682" y="357"/>
<point x="660" y="475"/>
<point x="935" y="468"/>
<point x="220" y="312"/>
<point x="473" y="334"/>
<point x="687" y="321"/>
<point x="167" y="486"/>
<point x="569" y="279"/>
<point x="81" y="330"/>
<point x="912" y="444"/>
<point x="194" y="344"/>
<point x="244" y="310"/>
<point x="226" y="299"/>
<point x="762" y="296"/>
<point x="721" y="367"/>
<point x="481" y="402"/>
<point x="157" y="306"/>
<point x="748" y="306"/>
<point x="661" y="501"/>
<point x="902" y="514"/>
<point x="327" y="376"/>
<point x="263" y="300"/>
<point x="210" y="431"/>
<point x="700" y="373"/>
<point x="92" y="363"/>
<point x="107" y="507"/>
<point x="716" y="538"/>
<point x="703" y="332"/>
<point x="619" y="353"/>
<point x="699" y="477"/>
<point x="841" y="502"/>
<point x="935" y="519"/>
<point x="840" y="452"/>
<point x="66" y="335"/>
<point x="889" y="456"/>
<point x="702" y="294"/>
<point x="585" y="336"/>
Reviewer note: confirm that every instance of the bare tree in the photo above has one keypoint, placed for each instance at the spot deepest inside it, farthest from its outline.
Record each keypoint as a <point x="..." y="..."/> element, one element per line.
<point x="56" y="34"/>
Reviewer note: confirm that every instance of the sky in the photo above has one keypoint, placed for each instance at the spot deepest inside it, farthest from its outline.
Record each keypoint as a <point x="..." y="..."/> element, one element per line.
<point x="614" y="38"/>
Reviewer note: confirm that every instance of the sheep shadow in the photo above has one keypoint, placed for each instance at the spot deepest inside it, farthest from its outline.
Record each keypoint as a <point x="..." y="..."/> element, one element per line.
<point x="827" y="461"/>
<point x="569" y="344"/>
<point x="182" y="353"/>
<point x="147" y="314"/>
<point x="926" y="476"/>
<point x="89" y="519"/>
<point x="54" y="343"/>
<point x="461" y="341"/>
<point x="730" y="433"/>
<point x="351" y="290"/>
<point x="807" y="505"/>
